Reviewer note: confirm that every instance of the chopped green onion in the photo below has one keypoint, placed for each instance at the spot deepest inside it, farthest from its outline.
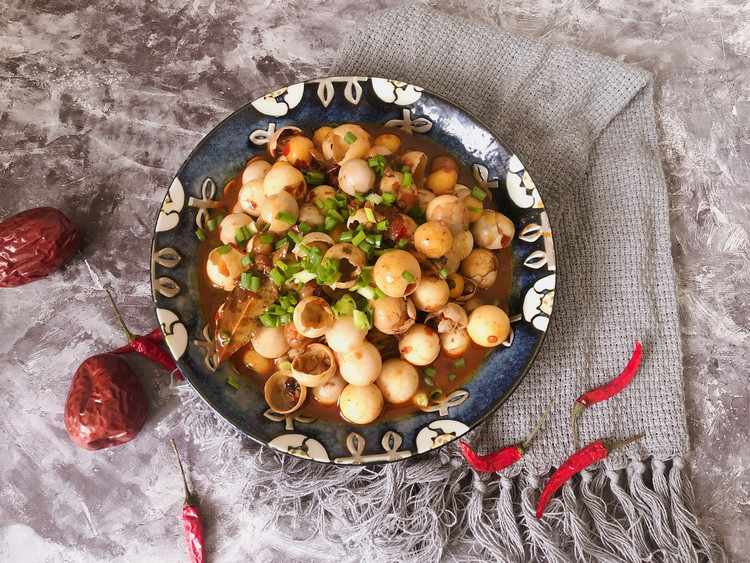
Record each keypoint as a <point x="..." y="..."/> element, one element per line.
<point x="245" y="280"/>
<point x="265" y="227"/>
<point x="315" y="178"/>
<point x="370" y="215"/>
<point x="277" y="277"/>
<point x="444" y="273"/>
<point x="350" y="138"/>
<point x="474" y="209"/>
<point x="304" y="228"/>
<point x="201" y="235"/>
<point x="335" y="215"/>
<point x="365" y="247"/>
<point x="460" y="363"/>
<point x="254" y="283"/>
<point x="388" y="198"/>
<point x="233" y="382"/>
<point x="225" y="338"/>
<point x="368" y="292"/>
<point x="344" y="306"/>
<point x="405" y="169"/>
<point x="420" y="399"/>
<point x="330" y="223"/>
<point x="361" y="321"/>
<point x="266" y="319"/>
<point x="281" y="266"/>
<point x="359" y="197"/>
<point x="241" y="236"/>
<point x="319" y="203"/>
<point x="379" y="294"/>
<point x="281" y="242"/>
<point x="382" y="226"/>
<point x="266" y="239"/>
<point x="361" y="236"/>
<point x="429" y="381"/>
<point x="432" y="372"/>
<point x="294" y="236"/>
<point x="351" y="211"/>
<point x="340" y="200"/>
<point x="252" y="228"/>
<point x="402" y="243"/>
<point x="213" y="224"/>
<point x="375" y="199"/>
<point x="478" y="193"/>
<point x="346" y="236"/>
<point x="285" y="366"/>
<point x="285" y="319"/>
<point x="436" y="394"/>
<point x="406" y="182"/>
<point x="247" y="259"/>
<point x="224" y="249"/>
<point x="330" y="203"/>
<point x="451" y="377"/>
<point x="286" y="217"/>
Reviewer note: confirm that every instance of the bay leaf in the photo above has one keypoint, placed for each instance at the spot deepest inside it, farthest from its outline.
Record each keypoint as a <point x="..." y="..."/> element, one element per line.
<point x="237" y="318"/>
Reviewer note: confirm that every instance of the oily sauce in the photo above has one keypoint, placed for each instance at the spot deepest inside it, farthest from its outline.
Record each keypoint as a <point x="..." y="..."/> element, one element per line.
<point x="448" y="377"/>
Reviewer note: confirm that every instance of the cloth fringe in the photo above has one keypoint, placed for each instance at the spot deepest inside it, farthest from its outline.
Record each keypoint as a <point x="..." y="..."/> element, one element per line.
<point x="440" y="509"/>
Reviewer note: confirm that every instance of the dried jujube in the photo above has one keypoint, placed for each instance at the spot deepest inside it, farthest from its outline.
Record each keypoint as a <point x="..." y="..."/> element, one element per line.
<point x="35" y="243"/>
<point x="106" y="404"/>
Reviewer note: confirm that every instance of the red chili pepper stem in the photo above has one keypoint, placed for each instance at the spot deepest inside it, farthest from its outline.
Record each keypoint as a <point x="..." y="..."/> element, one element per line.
<point x="189" y="501"/>
<point x="129" y="334"/>
<point x="606" y="391"/>
<point x="527" y="443"/>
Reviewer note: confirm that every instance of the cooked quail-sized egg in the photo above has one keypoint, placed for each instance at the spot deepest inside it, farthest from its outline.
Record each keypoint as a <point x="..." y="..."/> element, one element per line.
<point x="398" y="381"/>
<point x="420" y="346"/>
<point x="388" y="140"/>
<point x="254" y="361"/>
<point x="356" y="177"/>
<point x="252" y="196"/>
<point x="431" y="294"/>
<point x="444" y="162"/>
<point x="344" y="335"/>
<point x="256" y="169"/>
<point x="320" y="134"/>
<point x="463" y="244"/>
<point x="493" y="230"/>
<point x="230" y="224"/>
<point x="280" y="203"/>
<point x="361" y="365"/>
<point x="224" y="269"/>
<point x="488" y="325"/>
<point x="322" y="193"/>
<point x="455" y="343"/>
<point x="297" y="151"/>
<point x="450" y="211"/>
<point x="481" y="266"/>
<point x="455" y="286"/>
<point x="393" y="315"/>
<point x="433" y="239"/>
<point x="442" y="181"/>
<point x="361" y="404"/>
<point x="346" y="142"/>
<point x="397" y="273"/>
<point x="313" y="317"/>
<point x="285" y="178"/>
<point x="329" y="392"/>
<point x="270" y="342"/>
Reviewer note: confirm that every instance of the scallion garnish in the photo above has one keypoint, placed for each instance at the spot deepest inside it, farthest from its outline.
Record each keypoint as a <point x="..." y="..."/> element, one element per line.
<point x="388" y="198"/>
<point x="233" y="382"/>
<point x="201" y="235"/>
<point x="402" y="243"/>
<point x="382" y="226"/>
<point x="361" y="321"/>
<point x="406" y="182"/>
<point x="314" y="178"/>
<point x="266" y="319"/>
<point x="474" y="209"/>
<point x="436" y="393"/>
<point x="444" y="273"/>
<point x="281" y="242"/>
<point x="319" y="203"/>
<point x="429" y="381"/>
<point x="294" y="236"/>
<point x="285" y="366"/>
<point x="407" y="275"/>
<point x="254" y="283"/>
<point x="266" y="239"/>
<point x="370" y="215"/>
<point x="346" y="236"/>
<point x="304" y="228"/>
<point x="213" y="224"/>
<point x="432" y="372"/>
<point x="350" y="138"/>
<point x="277" y="277"/>
<point x="451" y="377"/>
<point x="360" y="236"/>
<point x="247" y="259"/>
<point x="478" y="193"/>
<point x="460" y="363"/>
<point x="359" y="197"/>
<point x="224" y="249"/>
<point x="286" y="217"/>
<point x="405" y="169"/>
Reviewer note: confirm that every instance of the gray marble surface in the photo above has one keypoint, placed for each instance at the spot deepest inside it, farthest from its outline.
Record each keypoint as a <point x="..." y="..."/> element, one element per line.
<point x="101" y="102"/>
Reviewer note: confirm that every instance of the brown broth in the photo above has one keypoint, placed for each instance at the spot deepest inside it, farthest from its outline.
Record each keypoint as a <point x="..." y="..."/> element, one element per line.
<point x="212" y="297"/>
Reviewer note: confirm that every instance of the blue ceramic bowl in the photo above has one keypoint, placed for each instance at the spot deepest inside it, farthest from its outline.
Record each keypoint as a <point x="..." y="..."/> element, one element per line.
<point x="244" y="134"/>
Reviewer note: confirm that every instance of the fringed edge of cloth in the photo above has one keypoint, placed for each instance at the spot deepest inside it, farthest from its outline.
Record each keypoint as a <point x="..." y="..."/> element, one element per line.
<point x="439" y="508"/>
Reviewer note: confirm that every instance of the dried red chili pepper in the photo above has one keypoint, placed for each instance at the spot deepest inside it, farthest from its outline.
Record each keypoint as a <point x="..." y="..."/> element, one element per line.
<point x="595" y="451"/>
<point x="146" y="345"/>
<point x="191" y="519"/>
<point x="505" y="457"/>
<point x="604" y="392"/>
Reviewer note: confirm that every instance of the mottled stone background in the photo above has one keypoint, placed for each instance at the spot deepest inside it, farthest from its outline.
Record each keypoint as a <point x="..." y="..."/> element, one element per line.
<point x="99" y="104"/>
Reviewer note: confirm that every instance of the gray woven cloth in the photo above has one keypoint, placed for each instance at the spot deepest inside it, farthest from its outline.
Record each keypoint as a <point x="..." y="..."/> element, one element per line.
<point x="584" y="126"/>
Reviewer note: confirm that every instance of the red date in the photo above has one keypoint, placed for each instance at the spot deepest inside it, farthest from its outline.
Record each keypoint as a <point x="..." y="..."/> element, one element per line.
<point x="106" y="404"/>
<point x="35" y="243"/>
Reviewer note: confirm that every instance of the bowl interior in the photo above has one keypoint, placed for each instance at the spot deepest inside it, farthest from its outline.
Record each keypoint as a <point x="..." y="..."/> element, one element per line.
<point x="243" y="135"/>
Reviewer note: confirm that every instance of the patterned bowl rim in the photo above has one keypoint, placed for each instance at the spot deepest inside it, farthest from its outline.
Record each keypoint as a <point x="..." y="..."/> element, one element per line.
<point x="177" y="350"/>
